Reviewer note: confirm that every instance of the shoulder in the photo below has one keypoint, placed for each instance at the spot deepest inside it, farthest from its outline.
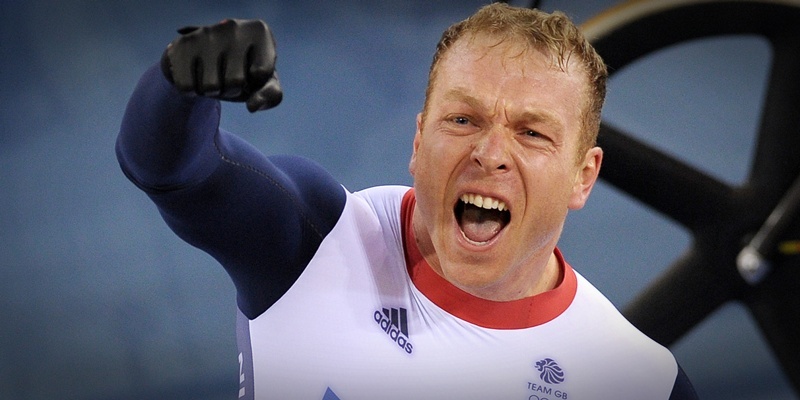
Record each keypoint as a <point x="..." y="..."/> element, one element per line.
<point x="595" y="310"/>
<point x="605" y="337"/>
<point x="375" y="209"/>
<point x="383" y="196"/>
<point x="383" y="201"/>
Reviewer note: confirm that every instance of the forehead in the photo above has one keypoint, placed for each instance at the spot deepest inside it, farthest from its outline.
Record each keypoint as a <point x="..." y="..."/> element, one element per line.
<point x="512" y="72"/>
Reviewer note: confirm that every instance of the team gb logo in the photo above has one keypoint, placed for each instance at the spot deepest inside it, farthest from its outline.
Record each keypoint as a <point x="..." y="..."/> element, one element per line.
<point x="550" y="372"/>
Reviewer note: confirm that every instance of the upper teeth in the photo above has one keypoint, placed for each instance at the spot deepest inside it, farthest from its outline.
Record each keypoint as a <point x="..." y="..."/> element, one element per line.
<point x="486" y="202"/>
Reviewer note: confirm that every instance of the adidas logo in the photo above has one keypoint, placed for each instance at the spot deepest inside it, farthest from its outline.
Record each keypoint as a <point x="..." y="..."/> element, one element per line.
<point x="394" y="322"/>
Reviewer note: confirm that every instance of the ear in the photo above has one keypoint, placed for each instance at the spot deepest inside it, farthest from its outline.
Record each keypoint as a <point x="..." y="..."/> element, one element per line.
<point x="417" y="137"/>
<point x="585" y="178"/>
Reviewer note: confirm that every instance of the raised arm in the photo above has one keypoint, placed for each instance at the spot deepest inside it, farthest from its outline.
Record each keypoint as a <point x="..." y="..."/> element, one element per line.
<point x="261" y="218"/>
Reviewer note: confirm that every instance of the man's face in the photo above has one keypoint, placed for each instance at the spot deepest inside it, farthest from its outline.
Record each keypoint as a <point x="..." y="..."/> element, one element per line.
<point x="502" y="126"/>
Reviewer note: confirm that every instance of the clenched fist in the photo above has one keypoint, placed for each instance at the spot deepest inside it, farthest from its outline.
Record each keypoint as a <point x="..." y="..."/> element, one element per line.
<point x="233" y="60"/>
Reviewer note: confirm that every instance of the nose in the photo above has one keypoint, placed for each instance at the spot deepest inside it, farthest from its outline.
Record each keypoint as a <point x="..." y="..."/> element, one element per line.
<point x="491" y="151"/>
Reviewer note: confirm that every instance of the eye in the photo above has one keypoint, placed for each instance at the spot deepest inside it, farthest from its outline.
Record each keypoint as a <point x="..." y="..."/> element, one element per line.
<point x="460" y="123"/>
<point x="532" y="133"/>
<point x="461" y="120"/>
<point x="535" y="136"/>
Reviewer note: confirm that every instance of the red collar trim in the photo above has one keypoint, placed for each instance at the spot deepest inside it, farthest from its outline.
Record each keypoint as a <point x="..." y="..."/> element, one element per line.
<point x="516" y="314"/>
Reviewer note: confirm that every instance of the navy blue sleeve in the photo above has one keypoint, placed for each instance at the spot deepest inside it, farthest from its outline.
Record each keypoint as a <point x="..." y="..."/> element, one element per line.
<point x="682" y="389"/>
<point x="261" y="217"/>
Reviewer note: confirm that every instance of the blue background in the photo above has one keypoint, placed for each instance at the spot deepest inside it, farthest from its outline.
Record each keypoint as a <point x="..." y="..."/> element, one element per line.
<point x="99" y="300"/>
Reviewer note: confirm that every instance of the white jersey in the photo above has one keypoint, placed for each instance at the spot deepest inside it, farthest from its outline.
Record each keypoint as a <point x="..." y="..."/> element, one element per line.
<point x="369" y="319"/>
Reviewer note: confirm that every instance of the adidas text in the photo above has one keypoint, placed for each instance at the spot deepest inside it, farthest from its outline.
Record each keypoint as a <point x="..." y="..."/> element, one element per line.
<point x="394" y="324"/>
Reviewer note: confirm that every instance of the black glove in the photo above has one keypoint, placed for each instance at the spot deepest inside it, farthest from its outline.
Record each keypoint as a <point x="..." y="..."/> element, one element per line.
<point x="233" y="60"/>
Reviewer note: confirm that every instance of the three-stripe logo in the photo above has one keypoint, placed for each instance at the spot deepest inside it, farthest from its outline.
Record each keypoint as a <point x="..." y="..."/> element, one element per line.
<point x="394" y="322"/>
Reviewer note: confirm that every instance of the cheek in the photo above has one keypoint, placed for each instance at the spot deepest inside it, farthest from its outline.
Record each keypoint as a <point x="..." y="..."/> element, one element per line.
<point x="433" y="167"/>
<point x="423" y="171"/>
<point x="432" y="161"/>
<point x="546" y="209"/>
<point x="549" y="191"/>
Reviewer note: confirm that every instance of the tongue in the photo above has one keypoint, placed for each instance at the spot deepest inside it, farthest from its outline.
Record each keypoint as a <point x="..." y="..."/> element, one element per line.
<point x="480" y="225"/>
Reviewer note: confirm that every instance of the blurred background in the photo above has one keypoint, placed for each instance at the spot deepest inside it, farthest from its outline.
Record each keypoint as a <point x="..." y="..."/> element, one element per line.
<point x="99" y="300"/>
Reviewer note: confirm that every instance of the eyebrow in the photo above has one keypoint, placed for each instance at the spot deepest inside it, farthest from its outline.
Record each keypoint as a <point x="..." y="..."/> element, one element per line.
<point x="459" y="94"/>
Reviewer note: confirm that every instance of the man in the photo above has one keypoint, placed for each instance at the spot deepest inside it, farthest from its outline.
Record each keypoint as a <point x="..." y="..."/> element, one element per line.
<point x="451" y="290"/>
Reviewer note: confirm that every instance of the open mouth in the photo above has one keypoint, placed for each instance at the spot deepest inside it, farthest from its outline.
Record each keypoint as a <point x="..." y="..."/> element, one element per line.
<point x="481" y="218"/>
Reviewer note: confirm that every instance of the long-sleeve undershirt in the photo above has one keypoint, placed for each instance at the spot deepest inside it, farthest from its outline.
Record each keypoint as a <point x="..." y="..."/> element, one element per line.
<point x="261" y="217"/>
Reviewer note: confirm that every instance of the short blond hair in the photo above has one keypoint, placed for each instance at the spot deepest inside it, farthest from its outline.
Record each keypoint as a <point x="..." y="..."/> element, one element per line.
<point x="553" y="33"/>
